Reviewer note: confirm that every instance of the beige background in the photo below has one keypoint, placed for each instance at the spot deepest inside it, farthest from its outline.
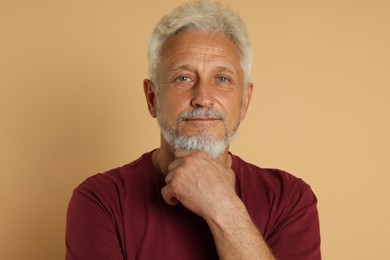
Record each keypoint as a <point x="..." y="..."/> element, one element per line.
<point x="71" y="105"/>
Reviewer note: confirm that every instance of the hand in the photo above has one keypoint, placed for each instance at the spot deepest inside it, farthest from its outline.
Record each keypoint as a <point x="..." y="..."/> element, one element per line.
<point x="202" y="184"/>
<point x="207" y="187"/>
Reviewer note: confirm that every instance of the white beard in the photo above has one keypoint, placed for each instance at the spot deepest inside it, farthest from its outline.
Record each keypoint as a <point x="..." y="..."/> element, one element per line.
<point x="200" y="142"/>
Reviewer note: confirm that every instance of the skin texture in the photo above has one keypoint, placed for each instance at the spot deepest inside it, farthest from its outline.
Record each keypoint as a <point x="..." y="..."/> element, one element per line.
<point x="203" y="70"/>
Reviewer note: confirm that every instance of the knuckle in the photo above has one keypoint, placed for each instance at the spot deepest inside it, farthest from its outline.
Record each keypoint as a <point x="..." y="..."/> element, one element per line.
<point x="175" y="185"/>
<point x="188" y="160"/>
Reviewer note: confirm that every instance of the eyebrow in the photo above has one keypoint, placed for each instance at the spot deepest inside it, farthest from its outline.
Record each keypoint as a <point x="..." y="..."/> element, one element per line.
<point x="174" y="70"/>
<point x="225" y="69"/>
<point x="191" y="68"/>
<point x="183" y="67"/>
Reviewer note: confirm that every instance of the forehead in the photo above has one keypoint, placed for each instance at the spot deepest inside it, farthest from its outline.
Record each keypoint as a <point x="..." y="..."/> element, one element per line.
<point x="201" y="48"/>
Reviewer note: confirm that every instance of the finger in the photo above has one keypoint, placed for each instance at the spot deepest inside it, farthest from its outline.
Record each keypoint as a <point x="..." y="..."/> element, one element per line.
<point x="183" y="153"/>
<point x="169" y="177"/>
<point x="168" y="196"/>
<point x="179" y="155"/>
<point x="186" y="153"/>
<point x="174" y="164"/>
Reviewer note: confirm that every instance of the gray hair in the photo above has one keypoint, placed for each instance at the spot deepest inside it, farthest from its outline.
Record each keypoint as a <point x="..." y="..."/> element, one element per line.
<point x="200" y="16"/>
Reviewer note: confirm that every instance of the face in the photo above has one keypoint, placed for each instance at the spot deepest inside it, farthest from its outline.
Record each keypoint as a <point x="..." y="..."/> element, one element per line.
<point x="200" y="99"/>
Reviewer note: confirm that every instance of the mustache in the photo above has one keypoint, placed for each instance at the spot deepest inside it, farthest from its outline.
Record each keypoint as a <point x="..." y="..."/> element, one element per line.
<point x="201" y="113"/>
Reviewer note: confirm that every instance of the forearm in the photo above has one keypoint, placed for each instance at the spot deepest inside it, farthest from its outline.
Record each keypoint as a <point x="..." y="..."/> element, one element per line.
<point x="236" y="236"/>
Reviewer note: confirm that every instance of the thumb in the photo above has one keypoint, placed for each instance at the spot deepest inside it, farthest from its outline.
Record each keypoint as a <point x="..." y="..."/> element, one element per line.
<point x="168" y="196"/>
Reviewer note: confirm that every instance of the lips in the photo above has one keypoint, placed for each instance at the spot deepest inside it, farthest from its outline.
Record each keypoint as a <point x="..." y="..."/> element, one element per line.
<point x="201" y="115"/>
<point x="203" y="119"/>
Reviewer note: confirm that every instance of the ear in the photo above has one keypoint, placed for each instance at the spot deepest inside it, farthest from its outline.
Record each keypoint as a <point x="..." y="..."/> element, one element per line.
<point x="246" y="100"/>
<point x="150" y="97"/>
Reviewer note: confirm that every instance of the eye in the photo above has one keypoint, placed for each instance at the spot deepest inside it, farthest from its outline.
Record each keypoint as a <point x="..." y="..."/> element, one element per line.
<point x="222" y="79"/>
<point x="183" y="79"/>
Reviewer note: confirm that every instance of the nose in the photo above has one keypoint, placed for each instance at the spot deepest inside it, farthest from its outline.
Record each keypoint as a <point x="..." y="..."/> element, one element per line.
<point x="202" y="96"/>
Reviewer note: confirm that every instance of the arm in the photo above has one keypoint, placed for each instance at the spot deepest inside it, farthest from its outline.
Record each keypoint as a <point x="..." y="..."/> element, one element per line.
<point x="90" y="233"/>
<point x="206" y="187"/>
<point x="236" y="237"/>
<point x="296" y="233"/>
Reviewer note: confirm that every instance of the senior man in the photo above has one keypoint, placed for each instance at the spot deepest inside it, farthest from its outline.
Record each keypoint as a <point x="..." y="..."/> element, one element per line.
<point x="191" y="198"/>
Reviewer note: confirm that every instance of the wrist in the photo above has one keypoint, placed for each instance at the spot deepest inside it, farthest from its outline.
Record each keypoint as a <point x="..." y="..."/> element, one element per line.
<point x="228" y="214"/>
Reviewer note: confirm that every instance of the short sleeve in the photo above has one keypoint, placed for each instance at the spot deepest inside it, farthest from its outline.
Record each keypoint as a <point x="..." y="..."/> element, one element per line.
<point x="90" y="228"/>
<point x="297" y="234"/>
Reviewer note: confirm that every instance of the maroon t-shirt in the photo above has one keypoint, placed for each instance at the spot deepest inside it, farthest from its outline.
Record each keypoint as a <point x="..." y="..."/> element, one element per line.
<point x="121" y="214"/>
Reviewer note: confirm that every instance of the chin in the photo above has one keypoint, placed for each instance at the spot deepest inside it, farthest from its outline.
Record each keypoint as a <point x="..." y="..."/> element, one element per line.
<point x="203" y="134"/>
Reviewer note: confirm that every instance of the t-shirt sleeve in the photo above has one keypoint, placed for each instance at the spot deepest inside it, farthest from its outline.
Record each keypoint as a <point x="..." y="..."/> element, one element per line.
<point x="90" y="228"/>
<point x="297" y="234"/>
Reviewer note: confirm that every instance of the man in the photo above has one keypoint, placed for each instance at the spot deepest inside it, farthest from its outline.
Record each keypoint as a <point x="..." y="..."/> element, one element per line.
<point x="191" y="198"/>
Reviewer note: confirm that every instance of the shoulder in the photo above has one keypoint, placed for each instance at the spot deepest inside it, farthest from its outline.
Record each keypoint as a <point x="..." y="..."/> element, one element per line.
<point x="117" y="180"/>
<point x="276" y="190"/>
<point x="267" y="178"/>
<point x="284" y="198"/>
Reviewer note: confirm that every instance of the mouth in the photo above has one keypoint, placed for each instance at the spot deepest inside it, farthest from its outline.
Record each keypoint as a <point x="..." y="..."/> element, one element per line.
<point x="203" y="119"/>
<point x="202" y="116"/>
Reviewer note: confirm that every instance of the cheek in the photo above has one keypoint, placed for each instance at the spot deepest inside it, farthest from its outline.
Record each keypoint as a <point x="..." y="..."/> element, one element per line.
<point x="232" y="108"/>
<point x="170" y="107"/>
